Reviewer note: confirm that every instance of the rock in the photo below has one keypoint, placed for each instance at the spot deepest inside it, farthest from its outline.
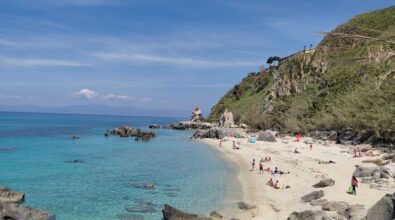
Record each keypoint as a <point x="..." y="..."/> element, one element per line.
<point x="334" y="206"/>
<point x="184" y="125"/>
<point x="324" y="183"/>
<point x="197" y="115"/>
<point x="226" y="120"/>
<point x="215" y="214"/>
<point x="74" y="137"/>
<point x="384" y="209"/>
<point x="365" y="147"/>
<point x="324" y="135"/>
<point x="244" y="126"/>
<point x="13" y="211"/>
<point x="346" y="136"/>
<point x="154" y="126"/>
<point x="170" y="213"/>
<point x="126" y="131"/>
<point x="75" y="161"/>
<point x="266" y="136"/>
<point x="308" y="215"/>
<point x="313" y="196"/>
<point x="376" y="173"/>
<point x="217" y="133"/>
<point x="142" y="207"/>
<point x="7" y="148"/>
<point x="6" y="195"/>
<point x="245" y="206"/>
<point x="356" y="212"/>
<point x="318" y="202"/>
<point x="142" y="184"/>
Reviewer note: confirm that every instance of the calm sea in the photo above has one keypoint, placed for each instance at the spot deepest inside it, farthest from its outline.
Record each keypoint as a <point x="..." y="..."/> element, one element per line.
<point x="108" y="184"/>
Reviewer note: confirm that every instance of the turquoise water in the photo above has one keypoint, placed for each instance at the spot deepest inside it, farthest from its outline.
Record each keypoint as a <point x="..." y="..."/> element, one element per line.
<point x="187" y="174"/>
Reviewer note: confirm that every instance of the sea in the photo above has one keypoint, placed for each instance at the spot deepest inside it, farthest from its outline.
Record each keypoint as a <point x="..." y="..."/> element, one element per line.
<point x="96" y="177"/>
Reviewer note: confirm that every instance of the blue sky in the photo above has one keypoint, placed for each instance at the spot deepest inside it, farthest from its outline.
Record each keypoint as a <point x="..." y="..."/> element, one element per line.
<point x="150" y="54"/>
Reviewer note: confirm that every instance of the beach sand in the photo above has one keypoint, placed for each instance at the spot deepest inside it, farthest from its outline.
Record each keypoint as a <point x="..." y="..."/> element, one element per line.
<point x="305" y="171"/>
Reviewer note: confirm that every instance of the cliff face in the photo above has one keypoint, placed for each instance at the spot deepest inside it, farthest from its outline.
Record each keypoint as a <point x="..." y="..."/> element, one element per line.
<point x="347" y="82"/>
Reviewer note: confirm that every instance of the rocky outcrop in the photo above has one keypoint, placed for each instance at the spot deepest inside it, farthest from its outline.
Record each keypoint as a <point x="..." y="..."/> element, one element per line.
<point x="197" y="115"/>
<point x="171" y="213"/>
<point x="335" y="206"/>
<point x="313" y="196"/>
<point x="324" y="183"/>
<point x="185" y="125"/>
<point x="308" y="215"/>
<point x="154" y="126"/>
<point x="13" y="211"/>
<point x="126" y="131"/>
<point x="10" y="209"/>
<point x="6" y="195"/>
<point x="226" y="120"/>
<point x="266" y="136"/>
<point x="219" y="133"/>
<point x="384" y="209"/>
<point x="371" y="173"/>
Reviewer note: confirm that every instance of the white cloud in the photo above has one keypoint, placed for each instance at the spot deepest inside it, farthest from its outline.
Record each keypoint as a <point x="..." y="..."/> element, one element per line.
<point x="13" y="61"/>
<point x="119" y="97"/>
<point x="85" y="93"/>
<point x="146" y="99"/>
<point x="178" y="61"/>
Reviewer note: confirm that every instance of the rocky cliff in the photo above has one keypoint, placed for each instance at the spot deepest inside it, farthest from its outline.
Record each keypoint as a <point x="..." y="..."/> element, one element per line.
<point x="346" y="82"/>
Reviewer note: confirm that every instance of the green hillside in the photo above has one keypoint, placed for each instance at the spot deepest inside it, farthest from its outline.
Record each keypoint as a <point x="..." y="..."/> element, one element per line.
<point x="348" y="81"/>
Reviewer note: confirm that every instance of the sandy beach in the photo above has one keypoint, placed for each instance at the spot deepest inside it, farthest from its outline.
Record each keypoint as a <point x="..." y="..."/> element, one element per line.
<point x="304" y="171"/>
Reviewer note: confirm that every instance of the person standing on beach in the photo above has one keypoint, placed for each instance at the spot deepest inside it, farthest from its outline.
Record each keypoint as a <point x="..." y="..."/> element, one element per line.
<point x="354" y="184"/>
<point x="253" y="164"/>
<point x="311" y="146"/>
<point x="261" y="167"/>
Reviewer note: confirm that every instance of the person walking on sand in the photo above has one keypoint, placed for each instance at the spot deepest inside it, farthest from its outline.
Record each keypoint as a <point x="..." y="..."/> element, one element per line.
<point x="354" y="184"/>
<point x="261" y="167"/>
<point x="253" y="164"/>
<point x="311" y="146"/>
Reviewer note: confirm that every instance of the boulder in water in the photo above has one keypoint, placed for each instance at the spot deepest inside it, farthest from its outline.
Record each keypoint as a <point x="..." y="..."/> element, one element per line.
<point x="6" y="195"/>
<point x="171" y="213"/>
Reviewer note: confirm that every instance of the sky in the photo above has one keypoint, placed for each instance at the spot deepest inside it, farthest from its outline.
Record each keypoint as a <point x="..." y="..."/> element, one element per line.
<point x="168" y="55"/>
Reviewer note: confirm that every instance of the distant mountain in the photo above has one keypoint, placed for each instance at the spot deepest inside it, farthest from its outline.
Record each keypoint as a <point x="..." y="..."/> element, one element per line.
<point x="98" y="110"/>
<point x="346" y="82"/>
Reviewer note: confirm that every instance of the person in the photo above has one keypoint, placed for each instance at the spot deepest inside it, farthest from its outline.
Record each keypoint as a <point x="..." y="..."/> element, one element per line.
<point x="220" y="143"/>
<point x="262" y="160"/>
<point x="311" y="146"/>
<point x="270" y="182"/>
<point x="269" y="159"/>
<point x="253" y="164"/>
<point x="275" y="170"/>
<point x="296" y="151"/>
<point x="261" y="167"/>
<point x="354" y="184"/>
<point x="277" y="185"/>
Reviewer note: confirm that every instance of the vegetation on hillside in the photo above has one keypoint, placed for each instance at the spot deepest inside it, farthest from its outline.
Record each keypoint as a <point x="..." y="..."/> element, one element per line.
<point x="347" y="82"/>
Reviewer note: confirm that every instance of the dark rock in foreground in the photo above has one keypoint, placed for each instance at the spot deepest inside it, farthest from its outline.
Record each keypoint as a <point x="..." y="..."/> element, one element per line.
<point x="308" y="215"/>
<point x="170" y="213"/>
<point x="324" y="183"/>
<point x="313" y="196"/>
<point x="384" y="209"/>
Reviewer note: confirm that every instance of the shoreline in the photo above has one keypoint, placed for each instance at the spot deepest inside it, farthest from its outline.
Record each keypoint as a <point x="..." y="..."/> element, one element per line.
<point x="305" y="171"/>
